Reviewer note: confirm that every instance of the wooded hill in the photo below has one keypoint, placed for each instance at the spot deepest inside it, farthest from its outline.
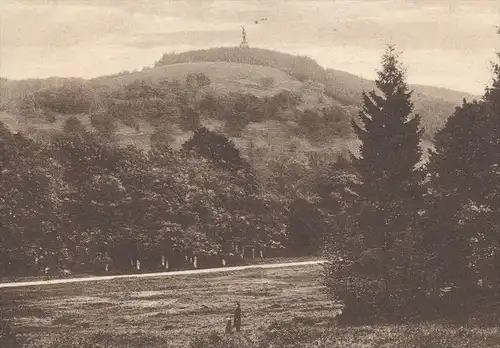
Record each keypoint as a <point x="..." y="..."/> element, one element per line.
<point x="225" y="144"/>
<point x="234" y="76"/>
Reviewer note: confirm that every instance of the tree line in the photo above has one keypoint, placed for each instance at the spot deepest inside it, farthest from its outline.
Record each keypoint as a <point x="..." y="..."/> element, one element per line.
<point x="80" y="202"/>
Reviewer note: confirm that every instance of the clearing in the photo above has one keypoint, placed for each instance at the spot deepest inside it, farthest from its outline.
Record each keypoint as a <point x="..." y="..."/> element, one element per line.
<point x="168" y="312"/>
<point x="173" y="308"/>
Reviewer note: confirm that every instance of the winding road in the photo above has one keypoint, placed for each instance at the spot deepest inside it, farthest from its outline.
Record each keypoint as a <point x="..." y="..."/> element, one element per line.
<point x="159" y="274"/>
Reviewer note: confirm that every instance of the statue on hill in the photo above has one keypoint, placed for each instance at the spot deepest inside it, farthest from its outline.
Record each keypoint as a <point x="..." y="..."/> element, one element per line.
<point x="244" y="43"/>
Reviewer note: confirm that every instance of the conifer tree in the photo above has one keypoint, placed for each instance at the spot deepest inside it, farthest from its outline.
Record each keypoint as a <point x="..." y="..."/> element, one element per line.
<point x="390" y="135"/>
<point x="377" y="270"/>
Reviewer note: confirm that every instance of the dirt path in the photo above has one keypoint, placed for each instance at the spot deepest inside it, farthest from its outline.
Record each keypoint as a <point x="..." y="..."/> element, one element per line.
<point x="160" y="274"/>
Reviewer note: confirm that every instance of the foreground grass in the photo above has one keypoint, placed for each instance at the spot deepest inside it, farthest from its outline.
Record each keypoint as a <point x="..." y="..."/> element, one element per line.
<point x="190" y="311"/>
<point x="166" y="309"/>
<point x="415" y="336"/>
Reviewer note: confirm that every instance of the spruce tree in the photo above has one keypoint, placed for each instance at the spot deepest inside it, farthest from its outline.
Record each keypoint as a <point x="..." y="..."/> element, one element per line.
<point x="377" y="270"/>
<point x="390" y="135"/>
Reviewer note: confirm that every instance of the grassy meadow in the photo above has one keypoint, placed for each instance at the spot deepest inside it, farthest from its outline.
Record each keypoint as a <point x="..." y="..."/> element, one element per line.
<point x="172" y="309"/>
<point x="176" y="311"/>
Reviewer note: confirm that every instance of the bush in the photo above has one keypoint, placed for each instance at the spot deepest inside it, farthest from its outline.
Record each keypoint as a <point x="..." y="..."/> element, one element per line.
<point x="392" y="291"/>
<point x="64" y="100"/>
<point x="268" y="82"/>
<point x="103" y="123"/>
<point x="197" y="80"/>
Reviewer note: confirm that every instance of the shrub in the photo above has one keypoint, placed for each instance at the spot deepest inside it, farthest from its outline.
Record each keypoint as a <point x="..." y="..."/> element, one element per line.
<point x="197" y="80"/>
<point x="64" y="100"/>
<point x="385" y="287"/>
<point x="268" y="82"/>
<point x="103" y="123"/>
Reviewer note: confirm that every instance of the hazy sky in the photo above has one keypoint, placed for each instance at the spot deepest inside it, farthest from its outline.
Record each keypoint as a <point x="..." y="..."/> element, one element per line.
<point x="447" y="43"/>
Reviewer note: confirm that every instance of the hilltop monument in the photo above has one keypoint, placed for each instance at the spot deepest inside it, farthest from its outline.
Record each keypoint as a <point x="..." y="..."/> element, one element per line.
<point x="244" y="43"/>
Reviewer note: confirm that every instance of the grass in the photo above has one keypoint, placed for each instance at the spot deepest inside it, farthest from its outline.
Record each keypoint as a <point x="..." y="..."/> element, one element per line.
<point x="224" y="76"/>
<point x="172" y="309"/>
<point x="190" y="311"/>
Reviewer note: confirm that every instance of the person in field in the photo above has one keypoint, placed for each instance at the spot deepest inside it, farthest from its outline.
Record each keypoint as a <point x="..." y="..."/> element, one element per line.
<point x="237" y="317"/>
<point x="229" y="327"/>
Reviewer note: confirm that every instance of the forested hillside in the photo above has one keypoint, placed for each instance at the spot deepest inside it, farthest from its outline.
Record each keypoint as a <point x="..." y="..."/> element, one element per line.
<point x="433" y="104"/>
<point x="180" y="159"/>
<point x="253" y="71"/>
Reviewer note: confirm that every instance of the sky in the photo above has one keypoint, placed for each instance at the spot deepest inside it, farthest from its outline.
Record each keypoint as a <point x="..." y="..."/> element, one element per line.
<point x="445" y="43"/>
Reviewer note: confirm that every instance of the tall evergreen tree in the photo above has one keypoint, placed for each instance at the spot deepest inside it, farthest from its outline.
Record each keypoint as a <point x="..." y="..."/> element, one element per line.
<point x="375" y="268"/>
<point x="390" y="135"/>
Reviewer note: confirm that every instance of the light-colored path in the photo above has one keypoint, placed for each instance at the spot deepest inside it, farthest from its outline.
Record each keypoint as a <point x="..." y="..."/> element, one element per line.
<point x="162" y="274"/>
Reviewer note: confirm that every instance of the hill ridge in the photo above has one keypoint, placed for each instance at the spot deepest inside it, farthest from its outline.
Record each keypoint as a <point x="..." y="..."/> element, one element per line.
<point x="233" y="73"/>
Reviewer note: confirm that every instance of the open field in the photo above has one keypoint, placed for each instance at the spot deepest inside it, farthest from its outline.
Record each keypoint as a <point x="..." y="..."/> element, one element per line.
<point x="171" y="308"/>
<point x="170" y="312"/>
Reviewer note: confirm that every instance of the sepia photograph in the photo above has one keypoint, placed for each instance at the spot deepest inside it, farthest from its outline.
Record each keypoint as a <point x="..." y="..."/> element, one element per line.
<point x="249" y="173"/>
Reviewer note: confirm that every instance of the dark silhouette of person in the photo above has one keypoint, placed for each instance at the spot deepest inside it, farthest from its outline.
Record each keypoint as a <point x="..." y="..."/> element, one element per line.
<point x="229" y="328"/>
<point x="237" y="317"/>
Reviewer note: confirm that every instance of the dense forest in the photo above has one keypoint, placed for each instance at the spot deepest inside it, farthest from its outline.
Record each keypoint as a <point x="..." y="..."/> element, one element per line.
<point x="78" y="201"/>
